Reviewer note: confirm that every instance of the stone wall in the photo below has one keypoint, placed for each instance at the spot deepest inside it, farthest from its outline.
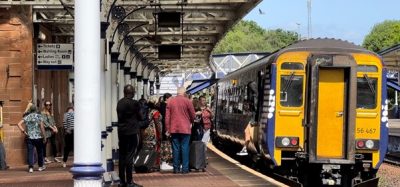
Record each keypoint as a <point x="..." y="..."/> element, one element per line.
<point x="16" y="31"/>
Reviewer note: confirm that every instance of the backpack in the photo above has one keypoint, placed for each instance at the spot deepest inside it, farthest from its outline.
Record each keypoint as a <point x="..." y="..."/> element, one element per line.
<point x="144" y="111"/>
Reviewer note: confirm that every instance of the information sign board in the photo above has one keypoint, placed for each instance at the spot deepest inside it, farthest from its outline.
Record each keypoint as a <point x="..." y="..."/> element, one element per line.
<point x="54" y="56"/>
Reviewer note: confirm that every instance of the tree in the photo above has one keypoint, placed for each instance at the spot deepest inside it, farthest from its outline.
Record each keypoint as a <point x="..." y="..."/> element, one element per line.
<point x="383" y="35"/>
<point x="247" y="36"/>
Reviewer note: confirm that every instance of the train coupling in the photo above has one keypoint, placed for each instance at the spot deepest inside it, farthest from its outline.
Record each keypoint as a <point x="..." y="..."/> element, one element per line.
<point x="330" y="175"/>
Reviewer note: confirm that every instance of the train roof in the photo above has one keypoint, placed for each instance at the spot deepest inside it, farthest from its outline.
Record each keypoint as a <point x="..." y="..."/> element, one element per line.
<point x="325" y="44"/>
<point x="317" y="44"/>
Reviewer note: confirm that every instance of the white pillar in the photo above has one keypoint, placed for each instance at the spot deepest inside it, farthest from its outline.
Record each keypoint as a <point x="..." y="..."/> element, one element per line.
<point x="108" y="85"/>
<point x="114" y="101"/>
<point x="103" y="103"/>
<point x="133" y="80"/>
<point x="139" y="87"/>
<point x="145" y="88"/>
<point x="70" y="86"/>
<point x="127" y="76"/>
<point x="121" y="81"/>
<point x="87" y="170"/>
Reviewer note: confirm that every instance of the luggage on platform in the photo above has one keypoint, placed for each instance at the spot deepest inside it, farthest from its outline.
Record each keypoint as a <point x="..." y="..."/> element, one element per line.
<point x="197" y="159"/>
<point x="145" y="160"/>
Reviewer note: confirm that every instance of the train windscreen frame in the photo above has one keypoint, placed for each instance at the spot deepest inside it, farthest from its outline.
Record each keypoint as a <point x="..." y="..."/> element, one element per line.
<point x="291" y="90"/>
<point x="366" y="92"/>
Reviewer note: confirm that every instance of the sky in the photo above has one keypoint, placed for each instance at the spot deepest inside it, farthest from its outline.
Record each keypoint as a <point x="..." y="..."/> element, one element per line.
<point x="349" y="20"/>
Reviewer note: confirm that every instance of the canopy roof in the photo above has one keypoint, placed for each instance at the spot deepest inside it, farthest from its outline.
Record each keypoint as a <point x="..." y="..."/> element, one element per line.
<point x="203" y="23"/>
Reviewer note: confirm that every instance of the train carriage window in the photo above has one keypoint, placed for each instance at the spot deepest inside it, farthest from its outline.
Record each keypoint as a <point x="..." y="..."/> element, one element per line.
<point x="252" y="94"/>
<point x="291" y="90"/>
<point x="366" y="92"/>
<point x="367" y="68"/>
<point x="292" y="66"/>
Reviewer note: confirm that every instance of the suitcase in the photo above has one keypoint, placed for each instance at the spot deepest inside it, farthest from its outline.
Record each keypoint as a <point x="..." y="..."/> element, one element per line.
<point x="197" y="158"/>
<point x="145" y="160"/>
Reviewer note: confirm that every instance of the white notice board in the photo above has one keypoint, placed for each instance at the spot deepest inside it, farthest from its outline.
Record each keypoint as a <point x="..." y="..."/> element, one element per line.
<point x="54" y="56"/>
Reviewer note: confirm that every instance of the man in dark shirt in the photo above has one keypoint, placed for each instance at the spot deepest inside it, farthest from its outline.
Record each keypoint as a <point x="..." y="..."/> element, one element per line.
<point x="129" y="118"/>
<point x="163" y="108"/>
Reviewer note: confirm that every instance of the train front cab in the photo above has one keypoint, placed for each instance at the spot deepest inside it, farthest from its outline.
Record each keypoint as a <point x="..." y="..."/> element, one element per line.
<point x="335" y="103"/>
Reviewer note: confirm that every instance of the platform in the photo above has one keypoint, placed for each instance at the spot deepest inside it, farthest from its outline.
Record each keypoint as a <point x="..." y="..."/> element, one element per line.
<point x="222" y="171"/>
<point x="394" y="127"/>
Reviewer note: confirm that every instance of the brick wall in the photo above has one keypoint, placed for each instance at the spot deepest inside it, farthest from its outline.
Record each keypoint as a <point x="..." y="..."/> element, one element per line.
<point x="15" y="76"/>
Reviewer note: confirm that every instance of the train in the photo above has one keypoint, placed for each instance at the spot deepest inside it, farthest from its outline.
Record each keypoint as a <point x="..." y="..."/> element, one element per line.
<point x="315" y="112"/>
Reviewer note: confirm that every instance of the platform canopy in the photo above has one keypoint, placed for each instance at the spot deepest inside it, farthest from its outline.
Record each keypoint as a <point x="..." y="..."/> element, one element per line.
<point x="391" y="57"/>
<point x="173" y="35"/>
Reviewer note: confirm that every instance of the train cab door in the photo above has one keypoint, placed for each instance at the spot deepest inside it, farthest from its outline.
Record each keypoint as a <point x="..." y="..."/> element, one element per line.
<point x="332" y="108"/>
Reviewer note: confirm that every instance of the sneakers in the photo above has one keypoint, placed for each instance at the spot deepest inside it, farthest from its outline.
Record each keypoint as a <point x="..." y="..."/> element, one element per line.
<point x="57" y="160"/>
<point x="42" y="168"/>
<point x="64" y="164"/>
<point x="47" y="161"/>
<point x="243" y="152"/>
<point x="166" y="167"/>
<point x="30" y="170"/>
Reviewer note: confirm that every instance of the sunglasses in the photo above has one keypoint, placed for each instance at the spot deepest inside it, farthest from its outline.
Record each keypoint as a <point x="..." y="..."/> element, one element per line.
<point x="47" y="104"/>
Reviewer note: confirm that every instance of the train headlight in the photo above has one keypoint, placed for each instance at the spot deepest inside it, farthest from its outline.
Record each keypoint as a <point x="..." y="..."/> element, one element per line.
<point x="285" y="141"/>
<point x="369" y="144"/>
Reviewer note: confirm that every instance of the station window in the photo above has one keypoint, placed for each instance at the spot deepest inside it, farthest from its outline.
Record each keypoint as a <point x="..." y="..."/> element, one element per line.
<point x="291" y="90"/>
<point x="292" y="66"/>
<point x="367" y="68"/>
<point x="366" y="92"/>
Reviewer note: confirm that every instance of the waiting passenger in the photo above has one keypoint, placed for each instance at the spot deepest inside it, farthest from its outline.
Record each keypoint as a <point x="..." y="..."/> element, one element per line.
<point x="68" y="123"/>
<point x="3" y="164"/>
<point x="163" y="108"/>
<point x="51" y="131"/>
<point x="152" y="134"/>
<point x="166" y="150"/>
<point x="197" y="127"/>
<point x="129" y="117"/>
<point x="206" y="115"/>
<point x="34" y="130"/>
<point x="179" y="117"/>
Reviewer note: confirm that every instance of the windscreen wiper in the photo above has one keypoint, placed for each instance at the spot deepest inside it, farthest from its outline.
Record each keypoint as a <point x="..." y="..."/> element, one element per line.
<point x="289" y="82"/>
<point x="369" y="83"/>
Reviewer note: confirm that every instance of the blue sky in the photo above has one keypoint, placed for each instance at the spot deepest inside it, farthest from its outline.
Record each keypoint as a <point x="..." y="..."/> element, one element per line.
<point x="349" y="20"/>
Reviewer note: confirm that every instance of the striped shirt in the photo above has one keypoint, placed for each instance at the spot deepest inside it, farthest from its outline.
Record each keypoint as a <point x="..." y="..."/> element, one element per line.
<point x="68" y="121"/>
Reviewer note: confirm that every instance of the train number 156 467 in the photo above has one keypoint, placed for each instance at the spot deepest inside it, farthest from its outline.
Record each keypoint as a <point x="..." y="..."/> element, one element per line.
<point x="366" y="130"/>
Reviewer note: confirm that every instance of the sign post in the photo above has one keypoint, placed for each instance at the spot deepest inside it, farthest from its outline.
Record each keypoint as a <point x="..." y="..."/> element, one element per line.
<point x="54" y="56"/>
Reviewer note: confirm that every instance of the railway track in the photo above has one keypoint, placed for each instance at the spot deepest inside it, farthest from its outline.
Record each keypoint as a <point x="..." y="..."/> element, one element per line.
<point x="393" y="159"/>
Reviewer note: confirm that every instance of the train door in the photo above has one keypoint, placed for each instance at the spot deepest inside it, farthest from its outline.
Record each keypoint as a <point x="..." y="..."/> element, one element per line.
<point x="332" y="108"/>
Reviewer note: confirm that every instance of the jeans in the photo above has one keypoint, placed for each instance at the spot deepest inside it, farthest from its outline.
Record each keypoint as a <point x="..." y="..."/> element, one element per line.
<point x="52" y="140"/>
<point x="68" y="145"/>
<point x="127" y="149"/>
<point x="180" y="149"/>
<point x="38" y="144"/>
<point x="3" y="164"/>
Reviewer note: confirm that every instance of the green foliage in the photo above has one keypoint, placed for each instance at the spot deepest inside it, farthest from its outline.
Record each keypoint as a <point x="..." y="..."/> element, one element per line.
<point x="247" y="36"/>
<point x="382" y="36"/>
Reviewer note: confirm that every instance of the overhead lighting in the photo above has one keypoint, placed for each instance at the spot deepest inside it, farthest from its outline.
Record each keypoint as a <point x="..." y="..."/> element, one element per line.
<point x="169" y="19"/>
<point x="169" y="51"/>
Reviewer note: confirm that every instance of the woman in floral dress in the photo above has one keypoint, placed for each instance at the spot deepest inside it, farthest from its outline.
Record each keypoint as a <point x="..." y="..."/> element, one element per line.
<point x="34" y="132"/>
